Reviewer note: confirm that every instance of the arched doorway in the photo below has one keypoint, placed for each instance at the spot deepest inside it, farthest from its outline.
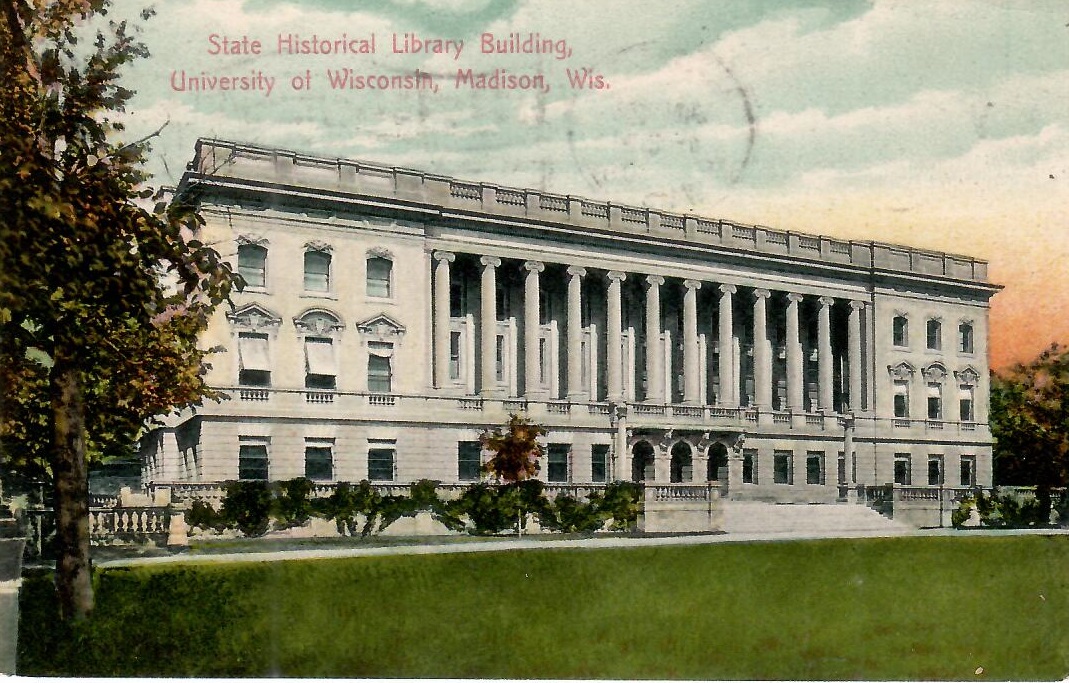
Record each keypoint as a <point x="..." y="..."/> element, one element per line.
<point x="642" y="462"/>
<point x="682" y="468"/>
<point x="718" y="462"/>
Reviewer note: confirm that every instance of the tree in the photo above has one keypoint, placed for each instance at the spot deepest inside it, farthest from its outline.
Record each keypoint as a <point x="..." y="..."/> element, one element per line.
<point x="102" y="296"/>
<point x="1030" y="423"/>
<point x="515" y="449"/>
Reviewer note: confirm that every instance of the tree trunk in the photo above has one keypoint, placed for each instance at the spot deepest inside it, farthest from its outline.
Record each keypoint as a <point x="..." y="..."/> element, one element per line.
<point x="71" y="481"/>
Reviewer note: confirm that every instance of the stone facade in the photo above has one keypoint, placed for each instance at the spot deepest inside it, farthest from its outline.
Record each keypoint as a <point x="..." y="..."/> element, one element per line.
<point x="392" y="315"/>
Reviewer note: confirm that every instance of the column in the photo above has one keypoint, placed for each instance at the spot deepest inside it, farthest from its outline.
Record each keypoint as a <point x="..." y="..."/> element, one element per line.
<point x="488" y="323"/>
<point x="654" y="349"/>
<point x="613" y="338"/>
<point x="620" y="444"/>
<point x="824" y="366"/>
<point x="795" y="380"/>
<point x="441" y="317"/>
<point x="577" y="391"/>
<point x="532" y="369"/>
<point x="691" y="359"/>
<point x="762" y="353"/>
<point x="854" y="357"/>
<point x="729" y="393"/>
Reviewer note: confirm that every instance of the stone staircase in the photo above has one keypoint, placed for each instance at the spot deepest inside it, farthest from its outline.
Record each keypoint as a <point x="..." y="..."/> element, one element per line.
<point x="744" y="517"/>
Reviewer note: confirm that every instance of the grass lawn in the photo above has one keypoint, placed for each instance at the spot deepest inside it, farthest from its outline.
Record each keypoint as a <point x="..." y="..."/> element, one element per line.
<point x="968" y="608"/>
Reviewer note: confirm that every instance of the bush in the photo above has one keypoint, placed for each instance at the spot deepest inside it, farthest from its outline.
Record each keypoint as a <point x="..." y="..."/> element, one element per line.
<point x="292" y="506"/>
<point x="960" y="516"/>
<point x="1061" y="506"/>
<point x="570" y="515"/>
<point x="204" y="516"/>
<point x="621" y="501"/>
<point x="248" y="506"/>
<point x="347" y="502"/>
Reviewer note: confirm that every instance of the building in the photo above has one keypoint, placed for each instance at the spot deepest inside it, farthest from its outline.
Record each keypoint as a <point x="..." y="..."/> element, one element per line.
<point x="391" y="315"/>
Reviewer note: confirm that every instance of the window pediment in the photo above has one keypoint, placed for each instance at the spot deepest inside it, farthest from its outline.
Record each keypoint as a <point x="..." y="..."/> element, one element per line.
<point x="935" y="372"/>
<point x="318" y="321"/>
<point x="967" y="375"/>
<point x="381" y="328"/>
<point x="380" y="252"/>
<point x="255" y="240"/>
<point x="902" y="370"/>
<point x="254" y="317"/>
<point x="316" y="245"/>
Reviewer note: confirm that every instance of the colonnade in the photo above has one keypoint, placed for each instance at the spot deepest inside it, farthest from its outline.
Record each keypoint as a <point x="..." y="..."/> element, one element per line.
<point x="728" y="366"/>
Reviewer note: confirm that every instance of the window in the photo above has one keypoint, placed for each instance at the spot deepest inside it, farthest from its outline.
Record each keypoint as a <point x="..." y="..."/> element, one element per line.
<point x="458" y="299"/>
<point x="968" y="470"/>
<point x="900" y="331"/>
<point x="935" y="470"/>
<point x="379" y="271"/>
<point x="381" y="459"/>
<point x="902" y="469"/>
<point x="814" y="467"/>
<point x="252" y="458"/>
<point x="557" y="462"/>
<point x="454" y="355"/>
<point x="469" y="460"/>
<point x="252" y="265"/>
<point x="254" y="364"/>
<point x="782" y="467"/>
<point x="935" y="401"/>
<point x="599" y="462"/>
<point x="379" y="367"/>
<point x="841" y="472"/>
<point x="965" y="338"/>
<point x="499" y="358"/>
<point x="965" y="403"/>
<point x="749" y="466"/>
<point x="318" y="461"/>
<point x="901" y="398"/>
<point x="319" y="365"/>
<point x="543" y="361"/>
<point x="935" y="335"/>
<point x="502" y="300"/>
<point x="316" y="271"/>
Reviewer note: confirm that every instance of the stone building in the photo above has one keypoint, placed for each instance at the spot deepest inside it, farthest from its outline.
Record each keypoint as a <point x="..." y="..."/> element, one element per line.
<point x="391" y="315"/>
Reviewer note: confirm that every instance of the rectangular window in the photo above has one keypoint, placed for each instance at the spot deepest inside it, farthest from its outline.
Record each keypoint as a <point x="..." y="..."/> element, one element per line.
<point x="814" y="467"/>
<point x="378" y="276"/>
<point x="502" y="300"/>
<point x="319" y="462"/>
<point x="379" y="367"/>
<point x="935" y="335"/>
<point x="935" y="470"/>
<point x="454" y="355"/>
<point x="557" y="462"/>
<point x="902" y="475"/>
<point x="968" y="470"/>
<point x="320" y="368"/>
<point x="900" y="331"/>
<point x="469" y="460"/>
<point x="599" y="462"/>
<point x="458" y="299"/>
<point x="543" y="370"/>
<point x="901" y="398"/>
<point x="783" y="467"/>
<point x="252" y="265"/>
<point x="749" y="466"/>
<point x="252" y="459"/>
<point x="965" y="403"/>
<point x="316" y="271"/>
<point x="935" y="401"/>
<point x="841" y="468"/>
<point x="499" y="355"/>
<point x="381" y="460"/>
<point x="253" y="361"/>
<point x="965" y="338"/>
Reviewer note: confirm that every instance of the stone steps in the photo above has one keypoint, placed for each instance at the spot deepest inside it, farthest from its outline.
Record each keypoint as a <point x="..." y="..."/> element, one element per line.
<point x="742" y="517"/>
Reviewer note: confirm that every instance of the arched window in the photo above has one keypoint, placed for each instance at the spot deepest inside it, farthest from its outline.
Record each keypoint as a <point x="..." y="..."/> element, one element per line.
<point x="379" y="276"/>
<point x="718" y="462"/>
<point x="316" y="271"/>
<point x="252" y="265"/>
<point x="682" y="468"/>
<point x="642" y="462"/>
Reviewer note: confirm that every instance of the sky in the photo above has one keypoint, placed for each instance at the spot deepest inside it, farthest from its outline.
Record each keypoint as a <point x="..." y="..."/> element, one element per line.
<point x="942" y="125"/>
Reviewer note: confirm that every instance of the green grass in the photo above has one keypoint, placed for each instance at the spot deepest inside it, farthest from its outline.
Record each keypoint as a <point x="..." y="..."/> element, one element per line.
<point x="912" y="608"/>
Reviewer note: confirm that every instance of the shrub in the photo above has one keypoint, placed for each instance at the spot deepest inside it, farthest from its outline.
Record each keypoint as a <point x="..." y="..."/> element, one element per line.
<point x="569" y="515"/>
<point x="1061" y="506"/>
<point x="960" y="516"/>
<point x="347" y="502"/>
<point x="482" y="504"/>
<point x="248" y="506"/>
<point x="292" y="506"/>
<point x="621" y="501"/>
<point x="204" y="516"/>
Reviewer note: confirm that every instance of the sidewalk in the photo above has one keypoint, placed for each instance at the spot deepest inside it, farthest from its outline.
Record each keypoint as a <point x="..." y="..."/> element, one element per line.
<point x="521" y="544"/>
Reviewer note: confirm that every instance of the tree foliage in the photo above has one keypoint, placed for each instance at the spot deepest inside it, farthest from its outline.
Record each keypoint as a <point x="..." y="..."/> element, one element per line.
<point x="92" y="341"/>
<point x="515" y="449"/>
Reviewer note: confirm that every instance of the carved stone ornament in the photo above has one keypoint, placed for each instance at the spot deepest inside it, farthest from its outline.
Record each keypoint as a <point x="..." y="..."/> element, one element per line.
<point x="316" y="245"/>
<point x="968" y="376"/>
<point x="380" y="252"/>
<point x="935" y="372"/>
<point x="253" y="317"/>
<point x="381" y="328"/>
<point x="255" y="240"/>
<point x="901" y="371"/>
<point x="318" y="321"/>
<point x="740" y="441"/>
<point x="666" y="440"/>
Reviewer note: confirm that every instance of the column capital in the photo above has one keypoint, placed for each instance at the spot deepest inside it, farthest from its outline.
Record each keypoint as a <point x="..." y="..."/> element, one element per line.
<point x="536" y="266"/>
<point x="617" y="275"/>
<point x="654" y="280"/>
<point x="445" y="256"/>
<point x="761" y="293"/>
<point x="692" y="284"/>
<point x="490" y="261"/>
<point x="576" y="271"/>
<point x="826" y="300"/>
<point x="795" y="297"/>
<point x="727" y="289"/>
<point x="857" y="305"/>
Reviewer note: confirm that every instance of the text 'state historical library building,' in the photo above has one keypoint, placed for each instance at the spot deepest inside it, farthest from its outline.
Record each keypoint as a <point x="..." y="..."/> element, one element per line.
<point x="392" y="315"/>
